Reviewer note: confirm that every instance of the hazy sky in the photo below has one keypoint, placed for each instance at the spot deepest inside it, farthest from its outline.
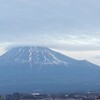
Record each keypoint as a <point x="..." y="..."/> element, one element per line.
<point x="70" y="26"/>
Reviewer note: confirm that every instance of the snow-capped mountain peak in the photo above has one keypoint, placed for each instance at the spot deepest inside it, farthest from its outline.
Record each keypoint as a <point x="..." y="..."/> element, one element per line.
<point x="33" y="55"/>
<point x="44" y="69"/>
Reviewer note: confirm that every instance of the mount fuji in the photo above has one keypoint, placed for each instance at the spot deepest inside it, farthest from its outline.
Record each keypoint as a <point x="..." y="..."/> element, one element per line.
<point x="27" y="69"/>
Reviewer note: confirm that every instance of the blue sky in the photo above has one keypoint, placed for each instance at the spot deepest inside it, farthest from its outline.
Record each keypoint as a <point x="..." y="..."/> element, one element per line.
<point x="69" y="26"/>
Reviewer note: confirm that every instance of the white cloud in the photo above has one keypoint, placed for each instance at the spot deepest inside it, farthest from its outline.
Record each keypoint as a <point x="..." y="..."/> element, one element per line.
<point x="64" y="41"/>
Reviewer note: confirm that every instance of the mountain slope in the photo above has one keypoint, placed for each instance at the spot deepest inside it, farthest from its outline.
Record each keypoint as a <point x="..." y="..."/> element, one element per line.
<point x="37" y="55"/>
<point x="39" y="68"/>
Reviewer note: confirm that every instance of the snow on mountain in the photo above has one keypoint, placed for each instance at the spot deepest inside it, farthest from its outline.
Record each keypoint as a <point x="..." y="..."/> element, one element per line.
<point x="33" y="55"/>
<point x="30" y="68"/>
